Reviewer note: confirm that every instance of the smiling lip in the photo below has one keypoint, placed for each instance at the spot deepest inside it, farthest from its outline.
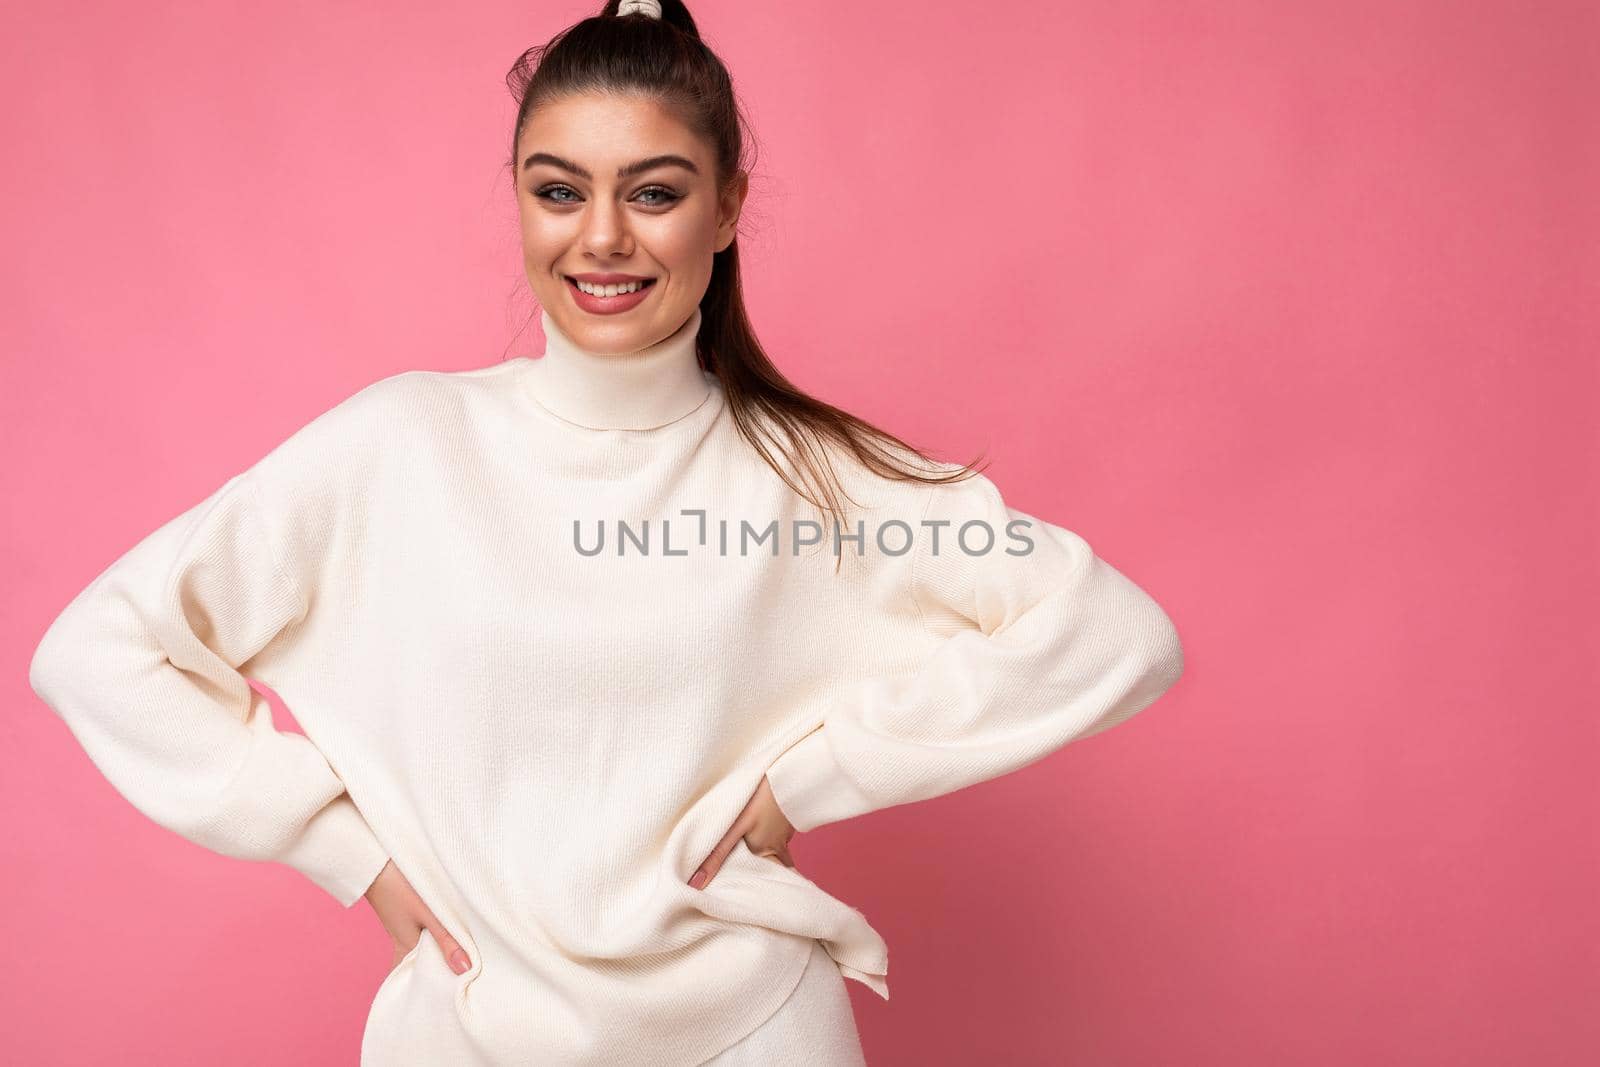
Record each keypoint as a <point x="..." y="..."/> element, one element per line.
<point x="608" y="305"/>
<point x="610" y="279"/>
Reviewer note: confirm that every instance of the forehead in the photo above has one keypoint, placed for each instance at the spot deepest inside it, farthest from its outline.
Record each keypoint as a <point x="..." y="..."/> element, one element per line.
<point x="602" y="131"/>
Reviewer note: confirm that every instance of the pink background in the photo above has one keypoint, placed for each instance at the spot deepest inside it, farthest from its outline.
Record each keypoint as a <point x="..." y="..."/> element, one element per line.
<point x="1287" y="308"/>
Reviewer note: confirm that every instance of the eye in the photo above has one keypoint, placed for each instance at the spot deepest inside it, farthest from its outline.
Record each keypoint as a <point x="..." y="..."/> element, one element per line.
<point x="663" y="195"/>
<point x="544" y="193"/>
<point x="667" y="197"/>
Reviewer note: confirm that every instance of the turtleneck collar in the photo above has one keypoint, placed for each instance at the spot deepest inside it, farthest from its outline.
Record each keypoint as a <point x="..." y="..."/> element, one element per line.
<point x="638" y="390"/>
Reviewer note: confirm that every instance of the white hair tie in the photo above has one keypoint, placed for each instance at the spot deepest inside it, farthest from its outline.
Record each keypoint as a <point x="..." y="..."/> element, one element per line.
<point x="643" y="7"/>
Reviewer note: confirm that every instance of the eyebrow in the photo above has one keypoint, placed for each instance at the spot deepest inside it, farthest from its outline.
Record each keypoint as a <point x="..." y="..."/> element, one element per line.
<point x="637" y="167"/>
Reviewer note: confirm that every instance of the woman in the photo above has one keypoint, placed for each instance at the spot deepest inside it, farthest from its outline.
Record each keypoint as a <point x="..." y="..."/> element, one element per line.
<point x="579" y="642"/>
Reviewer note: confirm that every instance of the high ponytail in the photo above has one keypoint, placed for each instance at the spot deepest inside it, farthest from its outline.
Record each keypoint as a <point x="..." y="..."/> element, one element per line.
<point x="652" y="47"/>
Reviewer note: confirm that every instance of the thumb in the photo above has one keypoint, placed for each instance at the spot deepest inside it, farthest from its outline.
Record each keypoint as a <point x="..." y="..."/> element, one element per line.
<point x="454" y="954"/>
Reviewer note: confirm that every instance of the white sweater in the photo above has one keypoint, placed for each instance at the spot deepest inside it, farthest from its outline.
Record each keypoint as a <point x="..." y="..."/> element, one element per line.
<point x="548" y="741"/>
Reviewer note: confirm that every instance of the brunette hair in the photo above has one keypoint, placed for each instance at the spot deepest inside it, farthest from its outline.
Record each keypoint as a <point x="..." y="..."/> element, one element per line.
<point x="665" y="59"/>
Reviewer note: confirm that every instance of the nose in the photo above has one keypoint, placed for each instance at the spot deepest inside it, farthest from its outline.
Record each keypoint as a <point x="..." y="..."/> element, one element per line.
<point x="605" y="230"/>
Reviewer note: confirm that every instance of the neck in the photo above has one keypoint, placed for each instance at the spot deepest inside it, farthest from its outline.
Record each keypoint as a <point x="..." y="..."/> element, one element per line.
<point x="637" y="390"/>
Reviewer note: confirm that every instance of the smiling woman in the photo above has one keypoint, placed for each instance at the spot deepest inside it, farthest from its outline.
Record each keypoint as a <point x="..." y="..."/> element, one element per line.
<point x="562" y="226"/>
<point x="565" y="782"/>
<point x="631" y="171"/>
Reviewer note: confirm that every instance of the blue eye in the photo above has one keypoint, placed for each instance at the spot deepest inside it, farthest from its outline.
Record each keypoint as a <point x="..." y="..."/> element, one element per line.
<point x="666" y="196"/>
<point x="547" y="190"/>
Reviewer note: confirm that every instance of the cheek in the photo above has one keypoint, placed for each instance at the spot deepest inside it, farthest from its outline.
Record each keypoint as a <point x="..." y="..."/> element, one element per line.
<point x="541" y="235"/>
<point x="683" y="249"/>
<point x="535" y="242"/>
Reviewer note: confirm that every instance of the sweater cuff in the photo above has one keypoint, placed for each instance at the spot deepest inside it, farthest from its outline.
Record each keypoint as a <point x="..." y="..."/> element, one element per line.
<point x="810" y="786"/>
<point x="337" y="851"/>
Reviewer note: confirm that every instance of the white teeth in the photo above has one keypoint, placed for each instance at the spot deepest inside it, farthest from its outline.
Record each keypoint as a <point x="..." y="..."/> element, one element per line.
<point x="608" y="290"/>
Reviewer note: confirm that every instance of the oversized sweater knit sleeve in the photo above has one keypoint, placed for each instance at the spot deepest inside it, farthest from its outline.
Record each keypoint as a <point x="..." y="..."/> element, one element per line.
<point x="143" y="666"/>
<point x="1039" y="647"/>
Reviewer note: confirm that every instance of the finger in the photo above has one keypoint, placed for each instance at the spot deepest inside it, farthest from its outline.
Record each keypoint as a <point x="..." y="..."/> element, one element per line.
<point x="780" y="854"/>
<point x="713" y="863"/>
<point x="454" y="954"/>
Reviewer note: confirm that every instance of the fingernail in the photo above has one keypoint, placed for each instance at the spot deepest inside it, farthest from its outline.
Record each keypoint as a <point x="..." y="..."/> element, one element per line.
<point x="459" y="962"/>
<point x="699" y="879"/>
